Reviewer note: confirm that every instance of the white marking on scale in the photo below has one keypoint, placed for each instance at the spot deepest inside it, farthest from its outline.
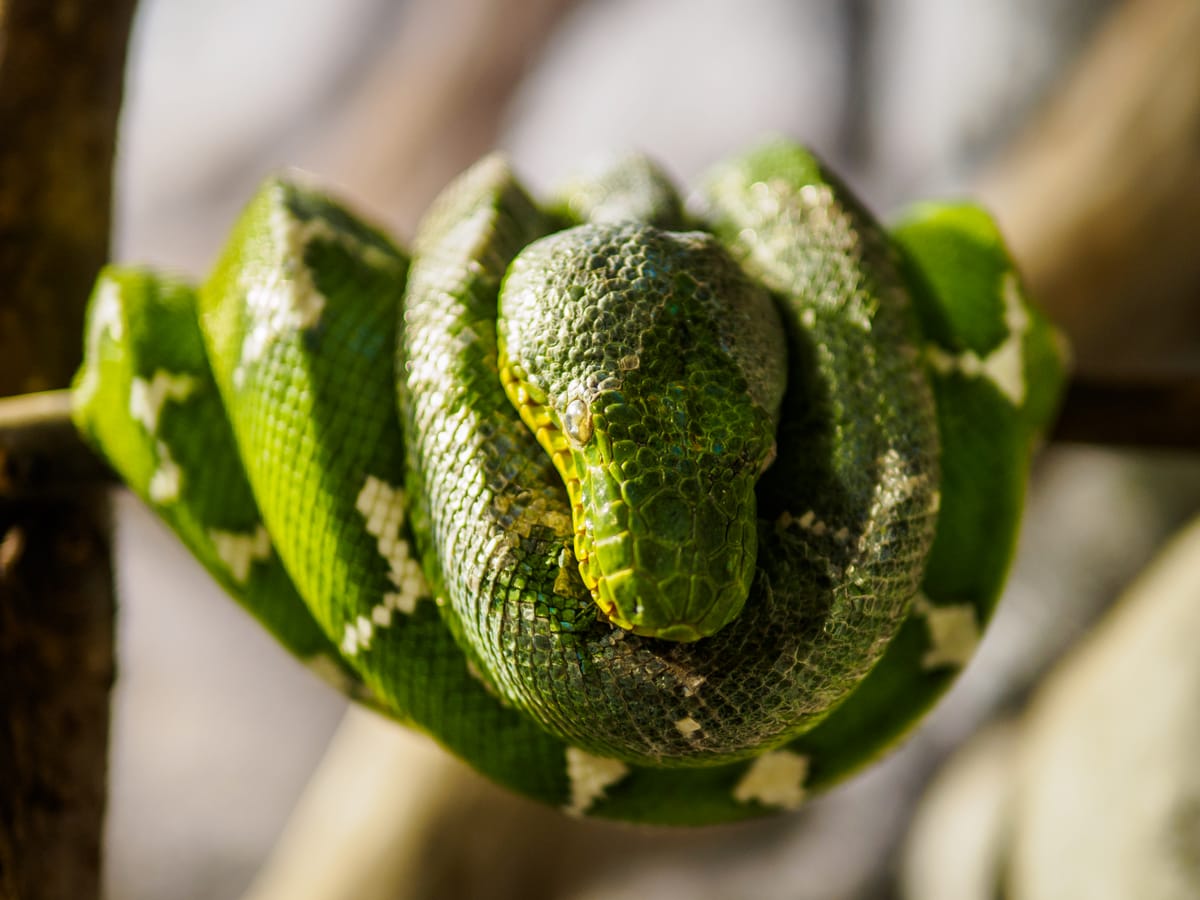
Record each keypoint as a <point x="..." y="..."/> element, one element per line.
<point x="774" y="779"/>
<point x="277" y="306"/>
<point x="687" y="726"/>
<point x="590" y="777"/>
<point x="104" y="319"/>
<point x="240" y="550"/>
<point x="953" y="633"/>
<point x="817" y="196"/>
<point x="287" y="299"/>
<point x="147" y="398"/>
<point x="167" y="480"/>
<point x="899" y="480"/>
<point x="1004" y="366"/>
<point x="146" y="402"/>
<point x="810" y="523"/>
<point x="384" y="509"/>
<point x="357" y="635"/>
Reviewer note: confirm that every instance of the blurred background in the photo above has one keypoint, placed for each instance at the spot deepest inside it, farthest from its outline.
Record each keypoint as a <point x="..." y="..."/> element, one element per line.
<point x="235" y="770"/>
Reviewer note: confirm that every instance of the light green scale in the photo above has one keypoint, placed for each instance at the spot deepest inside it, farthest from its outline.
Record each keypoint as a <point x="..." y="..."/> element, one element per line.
<point x="651" y="515"/>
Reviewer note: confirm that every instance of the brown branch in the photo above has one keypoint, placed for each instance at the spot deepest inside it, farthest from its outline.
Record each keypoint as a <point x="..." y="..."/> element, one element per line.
<point x="61" y="67"/>
<point x="61" y="74"/>
<point x="41" y="454"/>
<point x="1145" y="410"/>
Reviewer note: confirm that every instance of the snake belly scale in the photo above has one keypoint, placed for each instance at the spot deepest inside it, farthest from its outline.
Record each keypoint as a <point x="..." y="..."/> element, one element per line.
<point x="630" y="507"/>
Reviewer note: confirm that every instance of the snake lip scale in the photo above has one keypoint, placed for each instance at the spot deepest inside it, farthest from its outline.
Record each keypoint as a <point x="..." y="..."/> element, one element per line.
<point x="659" y="512"/>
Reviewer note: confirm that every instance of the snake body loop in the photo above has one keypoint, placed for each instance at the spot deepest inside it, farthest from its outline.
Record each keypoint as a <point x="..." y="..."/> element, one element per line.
<point x="501" y="525"/>
<point x="654" y="515"/>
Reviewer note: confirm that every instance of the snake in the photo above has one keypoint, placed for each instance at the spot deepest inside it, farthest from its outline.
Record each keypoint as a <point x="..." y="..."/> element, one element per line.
<point x="658" y="508"/>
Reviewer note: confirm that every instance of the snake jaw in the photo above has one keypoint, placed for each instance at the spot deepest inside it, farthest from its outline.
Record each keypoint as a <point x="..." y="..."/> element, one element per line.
<point x="666" y="543"/>
<point x="639" y="578"/>
<point x="654" y="590"/>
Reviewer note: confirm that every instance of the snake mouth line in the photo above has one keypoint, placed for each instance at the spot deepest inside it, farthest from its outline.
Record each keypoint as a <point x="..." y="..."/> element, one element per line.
<point x="537" y="417"/>
<point x="601" y="585"/>
<point x="550" y="437"/>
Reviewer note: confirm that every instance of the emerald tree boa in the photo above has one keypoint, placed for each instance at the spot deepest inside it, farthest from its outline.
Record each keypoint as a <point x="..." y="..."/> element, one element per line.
<point x="664" y="512"/>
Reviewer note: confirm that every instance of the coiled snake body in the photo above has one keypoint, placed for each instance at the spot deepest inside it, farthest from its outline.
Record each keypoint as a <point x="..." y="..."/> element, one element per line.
<point x="655" y="516"/>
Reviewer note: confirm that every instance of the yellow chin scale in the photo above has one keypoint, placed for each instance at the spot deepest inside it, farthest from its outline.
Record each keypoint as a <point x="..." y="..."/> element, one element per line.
<point x="536" y="414"/>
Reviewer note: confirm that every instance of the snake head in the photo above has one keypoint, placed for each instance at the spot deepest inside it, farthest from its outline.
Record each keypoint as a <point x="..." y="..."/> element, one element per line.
<point x="651" y="369"/>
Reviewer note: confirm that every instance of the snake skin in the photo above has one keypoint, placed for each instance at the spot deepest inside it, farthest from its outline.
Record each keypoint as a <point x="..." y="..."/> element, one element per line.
<point x="652" y="514"/>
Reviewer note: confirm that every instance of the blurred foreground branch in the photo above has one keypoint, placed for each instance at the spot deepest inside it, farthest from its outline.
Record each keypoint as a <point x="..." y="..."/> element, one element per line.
<point x="389" y="815"/>
<point x="434" y="102"/>
<point x="1101" y="198"/>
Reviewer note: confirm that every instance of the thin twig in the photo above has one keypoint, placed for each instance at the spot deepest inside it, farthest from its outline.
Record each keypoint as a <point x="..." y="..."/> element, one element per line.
<point x="41" y="453"/>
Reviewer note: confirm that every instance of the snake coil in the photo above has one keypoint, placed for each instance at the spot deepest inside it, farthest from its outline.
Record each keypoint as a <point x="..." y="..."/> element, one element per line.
<point x="656" y="515"/>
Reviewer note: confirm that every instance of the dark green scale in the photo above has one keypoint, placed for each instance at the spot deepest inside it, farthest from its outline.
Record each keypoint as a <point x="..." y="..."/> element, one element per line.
<point x="835" y="565"/>
<point x="672" y="363"/>
<point x="642" y="347"/>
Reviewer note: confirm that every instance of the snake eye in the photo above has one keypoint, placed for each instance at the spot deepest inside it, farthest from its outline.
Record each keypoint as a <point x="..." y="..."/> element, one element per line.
<point x="577" y="421"/>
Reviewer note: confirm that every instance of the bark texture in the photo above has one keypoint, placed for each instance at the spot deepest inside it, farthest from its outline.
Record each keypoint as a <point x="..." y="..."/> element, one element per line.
<point x="61" y="73"/>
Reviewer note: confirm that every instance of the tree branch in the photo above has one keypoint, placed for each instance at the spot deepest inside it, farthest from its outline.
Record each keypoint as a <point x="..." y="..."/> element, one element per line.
<point x="61" y="72"/>
<point x="1151" y="410"/>
<point x="40" y="452"/>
